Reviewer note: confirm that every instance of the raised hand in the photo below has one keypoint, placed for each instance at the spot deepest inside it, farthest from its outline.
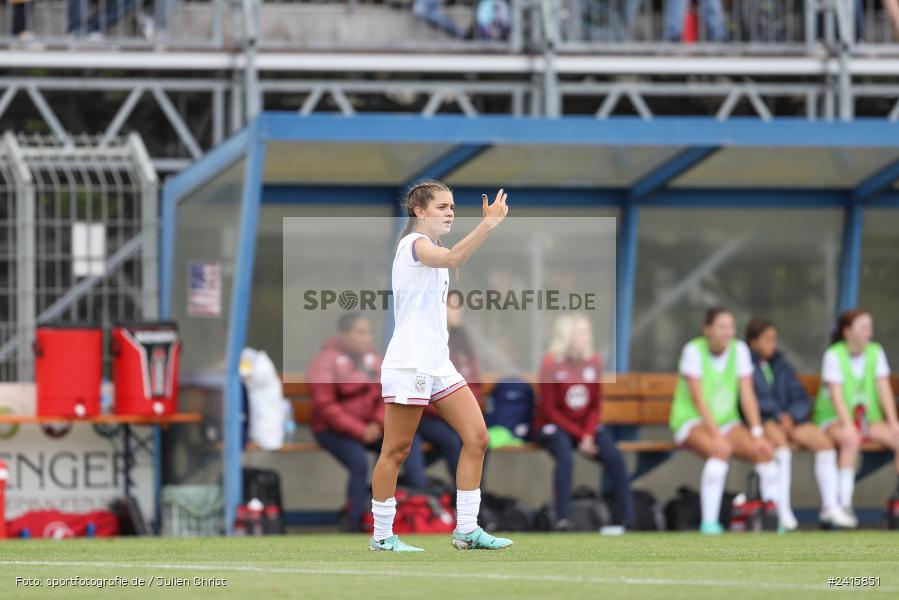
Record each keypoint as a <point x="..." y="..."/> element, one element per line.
<point x="494" y="213"/>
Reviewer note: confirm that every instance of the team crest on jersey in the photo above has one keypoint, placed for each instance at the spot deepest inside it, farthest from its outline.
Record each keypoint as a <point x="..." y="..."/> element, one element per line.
<point x="577" y="396"/>
<point x="589" y="374"/>
<point x="420" y="382"/>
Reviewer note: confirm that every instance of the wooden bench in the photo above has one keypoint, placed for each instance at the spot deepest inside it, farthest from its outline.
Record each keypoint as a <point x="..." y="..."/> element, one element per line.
<point x="638" y="399"/>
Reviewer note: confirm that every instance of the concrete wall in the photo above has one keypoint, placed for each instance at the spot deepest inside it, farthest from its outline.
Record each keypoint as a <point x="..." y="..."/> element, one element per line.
<point x="315" y="481"/>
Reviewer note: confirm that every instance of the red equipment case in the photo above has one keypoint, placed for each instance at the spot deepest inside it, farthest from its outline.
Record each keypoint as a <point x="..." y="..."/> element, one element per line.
<point x="145" y="359"/>
<point x="68" y="369"/>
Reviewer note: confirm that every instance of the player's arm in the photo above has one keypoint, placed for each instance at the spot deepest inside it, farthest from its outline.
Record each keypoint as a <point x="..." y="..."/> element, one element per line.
<point x="455" y="257"/>
<point x="749" y="403"/>
<point x="887" y="400"/>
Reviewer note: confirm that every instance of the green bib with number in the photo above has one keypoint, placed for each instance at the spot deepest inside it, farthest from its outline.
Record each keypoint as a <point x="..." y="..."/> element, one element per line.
<point x="720" y="390"/>
<point x="856" y="390"/>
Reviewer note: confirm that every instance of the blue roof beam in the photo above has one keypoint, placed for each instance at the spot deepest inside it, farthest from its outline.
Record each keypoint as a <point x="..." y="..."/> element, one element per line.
<point x="664" y="174"/>
<point x="449" y="163"/>
<point x="880" y="181"/>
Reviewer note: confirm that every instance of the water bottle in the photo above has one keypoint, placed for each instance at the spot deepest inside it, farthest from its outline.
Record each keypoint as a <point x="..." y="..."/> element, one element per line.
<point x="290" y="424"/>
<point x="861" y="420"/>
<point x="105" y="397"/>
<point x="91" y="530"/>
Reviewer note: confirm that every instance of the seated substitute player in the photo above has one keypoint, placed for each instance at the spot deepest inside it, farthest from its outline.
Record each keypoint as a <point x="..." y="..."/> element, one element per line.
<point x="785" y="408"/>
<point x="347" y="411"/>
<point x="855" y="401"/>
<point x="568" y="416"/>
<point x="417" y="370"/>
<point x="715" y="382"/>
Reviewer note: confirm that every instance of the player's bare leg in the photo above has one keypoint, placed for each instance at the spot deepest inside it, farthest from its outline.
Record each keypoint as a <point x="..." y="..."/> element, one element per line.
<point x="462" y="412"/>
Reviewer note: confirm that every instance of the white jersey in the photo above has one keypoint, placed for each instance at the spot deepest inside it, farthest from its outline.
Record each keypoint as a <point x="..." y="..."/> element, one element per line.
<point x="420" y="337"/>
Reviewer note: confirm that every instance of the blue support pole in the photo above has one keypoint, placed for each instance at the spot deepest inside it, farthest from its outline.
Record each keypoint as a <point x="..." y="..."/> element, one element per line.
<point x="626" y="280"/>
<point x="237" y="325"/>
<point x="851" y="257"/>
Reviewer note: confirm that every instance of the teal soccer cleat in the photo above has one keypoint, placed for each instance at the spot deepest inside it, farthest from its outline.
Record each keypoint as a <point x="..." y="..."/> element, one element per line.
<point x="392" y="544"/>
<point x="479" y="540"/>
<point x="712" y="528"/>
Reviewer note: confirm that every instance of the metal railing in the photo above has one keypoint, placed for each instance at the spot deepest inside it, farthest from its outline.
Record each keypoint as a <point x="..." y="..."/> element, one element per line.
<point x="617" y="26"/>
<point x="102" y="24"/>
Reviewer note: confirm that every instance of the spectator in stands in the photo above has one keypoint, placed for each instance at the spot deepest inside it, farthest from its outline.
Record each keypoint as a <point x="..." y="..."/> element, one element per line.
<point x="891" y="7"/>
<point x="107" y="14"/>
<point x="715" y="383"/>
<point x="434" y="429"/>
<point x="785" y="409"/>
<point x="712" y="14"/>
<point x="21" y="19"/>
<point x="347" y="410"/>
<point x="432" y="13"/>
<point x="568" y="416"/>
<point x="855" y="401"/>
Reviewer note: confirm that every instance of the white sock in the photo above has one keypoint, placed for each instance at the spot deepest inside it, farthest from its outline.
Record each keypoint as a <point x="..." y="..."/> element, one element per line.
<point x="826" y="473"/>
<point x="711" y="488"/>
<point x="468" y="503"/>
<point x="384" y="512"/>
<point x="847" y="486"/>
<point x="784" y="459"/>
<point x="769" y="477"/>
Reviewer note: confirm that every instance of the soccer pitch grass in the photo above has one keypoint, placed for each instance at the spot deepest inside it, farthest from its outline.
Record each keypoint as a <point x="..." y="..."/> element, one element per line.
<point x="638" y="565"/>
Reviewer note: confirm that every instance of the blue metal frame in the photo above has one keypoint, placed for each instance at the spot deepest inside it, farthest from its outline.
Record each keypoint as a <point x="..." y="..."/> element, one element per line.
<point x="880" y="181"/>
<point x="851" y="255"/>
<point x="661" y="176"/>
<point x="175" y="190"/>
<point x="697" y="137"/>
<point x="237" y="330"/>
<point x="580" y="131"/>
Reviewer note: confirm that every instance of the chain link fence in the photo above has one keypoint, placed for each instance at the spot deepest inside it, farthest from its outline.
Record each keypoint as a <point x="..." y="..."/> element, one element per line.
<point x="79" y="222"/>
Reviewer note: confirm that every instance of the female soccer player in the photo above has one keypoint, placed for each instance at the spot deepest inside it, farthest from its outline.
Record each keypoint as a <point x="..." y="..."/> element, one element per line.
<point x="855" y="400"/>
<point x="715" y="383"/>
<point x="417" y="370"/>
<point x="785" y="409"/>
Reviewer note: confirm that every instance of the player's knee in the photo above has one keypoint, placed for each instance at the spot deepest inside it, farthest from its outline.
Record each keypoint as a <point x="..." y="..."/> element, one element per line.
<point x="850" y="442"/>
<point x="478" y="441"/>
<point x="397" y="455"/>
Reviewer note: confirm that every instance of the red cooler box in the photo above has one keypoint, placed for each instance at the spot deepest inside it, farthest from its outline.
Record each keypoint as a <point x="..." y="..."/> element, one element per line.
<point x="145" y="360"/>
<point x="68" y="369"/>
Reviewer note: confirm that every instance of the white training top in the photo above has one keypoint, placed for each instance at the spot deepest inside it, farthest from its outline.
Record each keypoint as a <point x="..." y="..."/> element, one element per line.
<point x="420" y="335"/>
<point x="832" y="373"/>
<point x="691" y="361"/>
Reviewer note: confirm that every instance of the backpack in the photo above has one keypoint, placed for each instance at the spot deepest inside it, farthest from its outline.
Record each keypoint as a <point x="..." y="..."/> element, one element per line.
<point x="418" y="512"/>
<point x="684" y="511"/>
<point x="754" y="514"/>
<point x="588" y="511"/>
<point x="891" y="513"/>
<point x="648" y="513"/>
<point x="502" y="513"/>
<point x="511" y="405"/>
<point x="265" y="484"/>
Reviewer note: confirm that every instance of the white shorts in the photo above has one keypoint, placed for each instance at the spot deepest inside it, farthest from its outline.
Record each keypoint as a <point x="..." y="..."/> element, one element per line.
<point x="681" y="434"/>
<point x="408" y="386"/>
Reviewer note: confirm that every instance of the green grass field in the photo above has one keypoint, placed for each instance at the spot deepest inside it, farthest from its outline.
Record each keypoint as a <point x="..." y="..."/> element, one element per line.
<point x="640" y="566"/>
